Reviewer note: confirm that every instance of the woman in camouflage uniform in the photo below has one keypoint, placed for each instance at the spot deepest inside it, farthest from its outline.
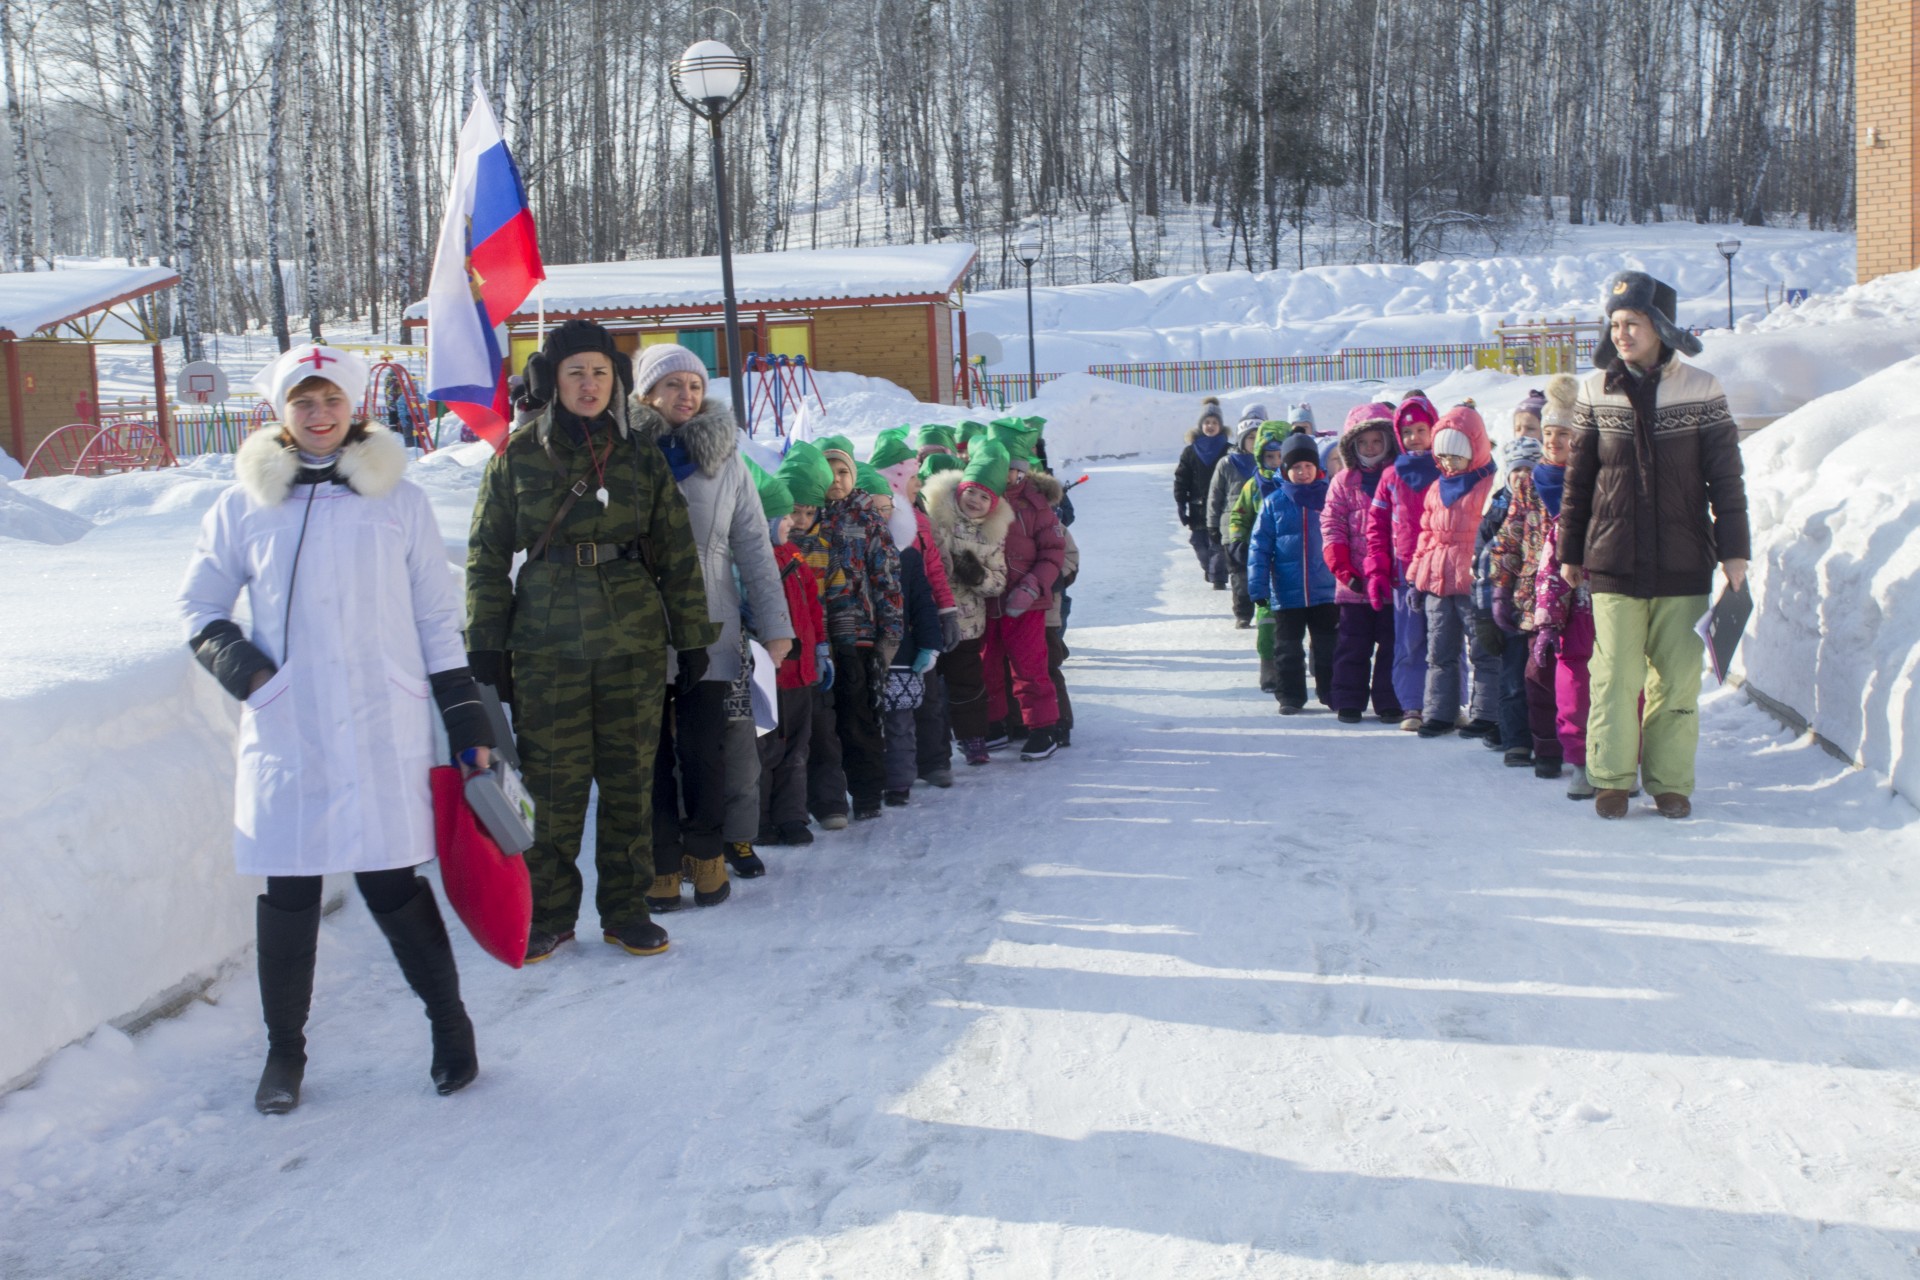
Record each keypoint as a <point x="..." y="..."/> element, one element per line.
<point x="579" y="643"/>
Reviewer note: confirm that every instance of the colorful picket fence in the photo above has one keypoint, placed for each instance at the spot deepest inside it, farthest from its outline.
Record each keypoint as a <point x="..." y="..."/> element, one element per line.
<point x="1219" y="375"/>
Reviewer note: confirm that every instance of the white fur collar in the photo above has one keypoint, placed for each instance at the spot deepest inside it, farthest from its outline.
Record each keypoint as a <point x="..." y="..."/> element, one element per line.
<point x="267" y="465"/>
<point x="711" y="437"/>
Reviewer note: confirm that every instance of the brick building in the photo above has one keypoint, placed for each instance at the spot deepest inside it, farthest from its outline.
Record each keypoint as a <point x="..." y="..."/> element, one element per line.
<point x="886" y="312"/>
<point x="1888" y="212"/>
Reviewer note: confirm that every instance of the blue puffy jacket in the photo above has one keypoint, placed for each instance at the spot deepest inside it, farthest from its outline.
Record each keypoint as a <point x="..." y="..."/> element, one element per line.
<point x="1284" y="564"/>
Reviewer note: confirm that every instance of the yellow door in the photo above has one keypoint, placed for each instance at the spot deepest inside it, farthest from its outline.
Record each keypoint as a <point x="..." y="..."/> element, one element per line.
<point x="790" y="340"/>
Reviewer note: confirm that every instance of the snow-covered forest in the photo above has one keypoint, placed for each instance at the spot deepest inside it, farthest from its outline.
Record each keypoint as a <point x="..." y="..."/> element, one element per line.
<point x="216" y="135"/>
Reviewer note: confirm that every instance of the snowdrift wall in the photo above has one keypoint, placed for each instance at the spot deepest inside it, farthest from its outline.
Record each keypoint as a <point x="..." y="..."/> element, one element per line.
<point x="1835" y="503"/>
<point x="117" y="889"/>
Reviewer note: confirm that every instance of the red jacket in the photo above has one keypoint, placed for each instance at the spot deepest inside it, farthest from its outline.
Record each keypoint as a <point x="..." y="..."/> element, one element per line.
<point x="1036" y="550"/>
<point x="798" y="671"/>
<point x="932" y="562"/>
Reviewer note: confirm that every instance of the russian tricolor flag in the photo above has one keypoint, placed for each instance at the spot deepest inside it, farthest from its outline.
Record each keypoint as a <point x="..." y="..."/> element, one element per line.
<point x="487" y="264"/>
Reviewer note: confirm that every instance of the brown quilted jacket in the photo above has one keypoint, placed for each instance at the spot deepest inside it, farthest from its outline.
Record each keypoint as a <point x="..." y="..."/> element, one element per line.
<point x="1654" y="498"/>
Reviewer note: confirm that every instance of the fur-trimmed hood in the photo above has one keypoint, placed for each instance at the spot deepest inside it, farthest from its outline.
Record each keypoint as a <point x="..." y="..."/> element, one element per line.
<point x="1047" y="486"/>
<point x="268" y="464"/>
<point x="711" y="437"/>
<point x="942" y="498"/>
<point x="1350" y="456"/>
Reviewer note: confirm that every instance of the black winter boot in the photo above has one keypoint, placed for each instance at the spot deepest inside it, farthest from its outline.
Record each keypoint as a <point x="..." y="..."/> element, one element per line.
<point x="419" y="940"/>
<point x="287" y="942"/>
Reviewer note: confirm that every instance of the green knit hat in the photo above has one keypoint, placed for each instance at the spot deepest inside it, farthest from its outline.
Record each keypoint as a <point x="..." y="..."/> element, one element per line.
<point x="776" y="499"/>
<point x="987" y="465"/>
<point x="934" y="463"/>
<point x="1014" y="435"/>
<point x="971" y="431"/>
<point x="868" y="480"/>
<point x="806" y="473"/>
<point x="892" y="433"/>
<point x="935" y="435"/>
<point x="891" y="450"/>
<point x="1273" y="433"/>
<point x="836" y="444"/>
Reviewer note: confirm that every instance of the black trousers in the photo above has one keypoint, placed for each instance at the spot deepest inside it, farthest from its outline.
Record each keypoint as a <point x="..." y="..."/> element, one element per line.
<point x="783" y="761"/>
<point x="384" y="891"/>
<point x="933" y="739"/>
<point x="1291" y="627"/>
<point x="966" y="680"/>
<point x="863" y="752"/>
<point x="826" y="775"/>
<point x="690" y="776"/>
<point x="1057" y="653"/>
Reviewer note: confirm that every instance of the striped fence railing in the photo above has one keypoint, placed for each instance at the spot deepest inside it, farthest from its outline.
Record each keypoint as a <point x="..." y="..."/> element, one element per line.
<point x="1219" y="375"/>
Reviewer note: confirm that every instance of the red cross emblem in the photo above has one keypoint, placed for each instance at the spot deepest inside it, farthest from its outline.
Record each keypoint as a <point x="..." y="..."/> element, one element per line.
<point x="318" y="359"/>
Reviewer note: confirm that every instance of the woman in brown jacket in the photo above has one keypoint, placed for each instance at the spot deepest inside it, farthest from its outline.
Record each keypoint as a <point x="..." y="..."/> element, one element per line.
<point x="1654" y="500"/>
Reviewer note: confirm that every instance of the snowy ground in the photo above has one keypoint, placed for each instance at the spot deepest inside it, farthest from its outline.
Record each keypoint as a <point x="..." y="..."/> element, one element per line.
<point x="1209" y="994"/>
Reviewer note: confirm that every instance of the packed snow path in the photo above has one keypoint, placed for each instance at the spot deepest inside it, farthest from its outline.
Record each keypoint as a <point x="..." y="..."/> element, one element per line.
<point x="1211" y="993"/>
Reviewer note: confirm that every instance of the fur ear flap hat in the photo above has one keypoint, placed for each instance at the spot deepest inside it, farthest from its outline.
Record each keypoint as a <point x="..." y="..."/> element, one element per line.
<point x="1654" y="299"/>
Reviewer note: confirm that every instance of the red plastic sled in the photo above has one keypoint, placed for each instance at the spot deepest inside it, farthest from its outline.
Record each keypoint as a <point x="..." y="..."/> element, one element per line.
<point x="488" y="889"/>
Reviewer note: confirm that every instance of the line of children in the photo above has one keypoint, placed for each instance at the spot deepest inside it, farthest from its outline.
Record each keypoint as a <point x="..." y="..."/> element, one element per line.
<point x="1411" y="580"/>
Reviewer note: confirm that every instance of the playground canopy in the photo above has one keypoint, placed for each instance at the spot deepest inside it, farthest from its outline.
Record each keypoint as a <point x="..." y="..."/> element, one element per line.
<point x="885" y="311"/>
<point x="50" y="322"/>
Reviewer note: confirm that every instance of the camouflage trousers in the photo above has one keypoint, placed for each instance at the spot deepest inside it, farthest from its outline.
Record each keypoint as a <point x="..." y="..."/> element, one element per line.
<point x="579" y="722"/>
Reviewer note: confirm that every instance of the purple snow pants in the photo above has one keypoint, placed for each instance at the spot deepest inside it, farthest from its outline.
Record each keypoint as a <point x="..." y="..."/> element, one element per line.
<point x="1363" y="660"/>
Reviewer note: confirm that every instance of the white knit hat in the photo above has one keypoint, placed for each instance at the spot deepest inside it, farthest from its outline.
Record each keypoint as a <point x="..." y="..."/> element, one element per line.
<point x="312" y="360"/>
<point x="661" y="359"/>
<point x="1451" y="440"/>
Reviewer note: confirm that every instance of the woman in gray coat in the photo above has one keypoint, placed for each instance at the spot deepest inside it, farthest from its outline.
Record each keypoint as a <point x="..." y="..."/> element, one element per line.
<point x="702" y="447"/>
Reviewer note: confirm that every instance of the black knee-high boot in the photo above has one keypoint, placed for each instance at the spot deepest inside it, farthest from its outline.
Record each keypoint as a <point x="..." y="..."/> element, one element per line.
<point x="287" y="942"/>
<point x="419" y="940"/>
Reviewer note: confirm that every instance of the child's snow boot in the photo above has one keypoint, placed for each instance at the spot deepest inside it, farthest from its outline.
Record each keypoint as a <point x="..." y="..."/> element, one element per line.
<point x="1578" y="788"/>
<point x="1610" y="802"/>
<point x="745" y="862"/>
<point x="287" y="943"/>
<point x="1433" y="728"/>
<point x="1546" y="768"/>
<point x="896" y="799"/>
<point x="795" y="833"/>
<point x="709" y="876"/>
<point x="1411" y="722"/>
<point x="1041" y="743"/>
<point x="1479" y="728"/>
<point x="1517" y="757"/>
<point x="938" y="777"/>
<point x="541" y="944"/>
<point x="419" y="940"/>
<point x="976" y="751"/>
<point x="1347" y="715"/>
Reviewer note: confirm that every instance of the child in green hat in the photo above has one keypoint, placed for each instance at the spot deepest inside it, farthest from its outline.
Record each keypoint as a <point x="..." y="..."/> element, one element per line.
<point x="809" y="476"/>
<point x="866" y="619"/>
<point x="783" y="750"/>
<point x="969" y="519"/>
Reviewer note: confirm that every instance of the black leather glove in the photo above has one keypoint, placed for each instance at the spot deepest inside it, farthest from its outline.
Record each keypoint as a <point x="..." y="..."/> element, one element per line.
<point x="1185" y="523"/>
<point x="458" y="696"/>
<point x="494" y="667"/>
<point x="967" y="569"/>
<point x="223" y="649"/>
<point x="693" y="667"/>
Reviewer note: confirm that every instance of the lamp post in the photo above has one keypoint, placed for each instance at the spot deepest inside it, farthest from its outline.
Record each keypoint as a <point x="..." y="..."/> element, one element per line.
<point x="1727" y="249"/>
<point x="711" y="79"/>
<point x="1027" y="250"/>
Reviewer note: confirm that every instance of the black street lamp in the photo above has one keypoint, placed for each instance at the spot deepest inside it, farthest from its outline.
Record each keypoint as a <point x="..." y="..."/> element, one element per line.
<point x="1727" y="249"/>
<point x="1027" y="250"/>
<point x="711" y="79"/>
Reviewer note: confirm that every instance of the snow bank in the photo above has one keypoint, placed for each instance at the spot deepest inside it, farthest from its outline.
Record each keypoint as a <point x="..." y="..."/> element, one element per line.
<point x="1322" y="309"/>
<point x="1835" y="508"/>
<point x="1768" y="373"/>
<point x="31" y="520"/>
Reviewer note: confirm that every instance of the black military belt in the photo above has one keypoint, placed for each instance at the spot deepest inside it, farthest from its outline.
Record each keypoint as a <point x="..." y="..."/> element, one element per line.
<point x="590" y="555"/>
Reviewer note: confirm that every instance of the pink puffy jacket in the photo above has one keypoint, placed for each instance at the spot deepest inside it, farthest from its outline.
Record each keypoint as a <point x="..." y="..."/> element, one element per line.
<point x="1442" y="563"/>
<point x="1393" y="524"/>
<point x="1343" y="521"/>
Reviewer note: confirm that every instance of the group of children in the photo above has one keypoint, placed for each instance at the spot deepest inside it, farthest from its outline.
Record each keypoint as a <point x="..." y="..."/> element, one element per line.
<point x="926" y="589"/>
<point x="1404" y="567"/>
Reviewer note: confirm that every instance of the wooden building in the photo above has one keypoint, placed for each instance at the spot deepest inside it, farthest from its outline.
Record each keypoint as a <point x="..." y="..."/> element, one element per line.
<point x="51" y="323"/>
<point x="892" y="312"/>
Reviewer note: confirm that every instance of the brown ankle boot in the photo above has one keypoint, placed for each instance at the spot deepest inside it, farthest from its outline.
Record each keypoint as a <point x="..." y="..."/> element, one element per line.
<point x="664" y="893"/>
<point x="709" y="876"/>
<point x="1672" y="804"/>
<point x="1610" y="802"/>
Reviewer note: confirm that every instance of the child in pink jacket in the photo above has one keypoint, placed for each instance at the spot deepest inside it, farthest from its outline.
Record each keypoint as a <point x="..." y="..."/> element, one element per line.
<point x="1442" y="569"/>
<point x="1393" y="527"/>
<point x="1365" y="643"/>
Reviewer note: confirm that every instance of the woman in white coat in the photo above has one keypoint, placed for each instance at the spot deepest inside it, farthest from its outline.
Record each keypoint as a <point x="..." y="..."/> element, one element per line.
<point x="355" y="625"/>
<point x="702" y="447"/>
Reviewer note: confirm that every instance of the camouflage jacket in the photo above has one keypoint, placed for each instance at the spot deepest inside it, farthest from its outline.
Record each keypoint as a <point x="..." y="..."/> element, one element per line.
<point x="617" y="608"/>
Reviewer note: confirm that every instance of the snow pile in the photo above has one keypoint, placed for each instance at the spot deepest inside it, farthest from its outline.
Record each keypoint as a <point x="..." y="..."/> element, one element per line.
<point x="1768" y="373"/>
<point x="1323" y="309"/>
<point x="10" y="469"/>
<point x="1835" y="507"/>
<point x="1891" y="298"/>
<point x="31" y="520"/>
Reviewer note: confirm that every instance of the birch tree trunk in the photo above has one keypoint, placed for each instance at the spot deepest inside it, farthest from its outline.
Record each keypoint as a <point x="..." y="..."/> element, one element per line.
<point x="22" y="246"/>
<point x="276" y="100"/>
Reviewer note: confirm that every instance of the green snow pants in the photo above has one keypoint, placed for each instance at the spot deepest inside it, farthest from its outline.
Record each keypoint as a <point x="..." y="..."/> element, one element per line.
<point x="1263" y="636"/>
<point x="1650" y="646"/>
